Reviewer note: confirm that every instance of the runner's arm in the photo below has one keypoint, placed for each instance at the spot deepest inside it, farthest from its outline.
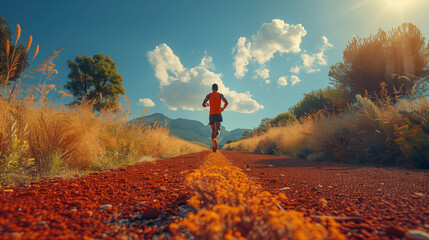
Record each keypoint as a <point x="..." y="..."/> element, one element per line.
<point x="225" y="102"/>
<point x="206" y="100"/>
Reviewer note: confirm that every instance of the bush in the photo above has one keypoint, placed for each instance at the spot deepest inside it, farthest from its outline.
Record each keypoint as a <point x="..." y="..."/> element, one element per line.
<point x="370" y="134"/>
<point x="414" y="143"/>
<point x="282" y="119"/>
<point x="330" y="99"/>
<point x="302" y="151"/>
<point x="319" y="157"/>
<point x="397" y="57"/>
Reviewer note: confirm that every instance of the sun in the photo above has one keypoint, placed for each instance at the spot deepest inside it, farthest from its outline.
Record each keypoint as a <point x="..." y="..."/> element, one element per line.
<point x="402" y="5"/>
<point x="397" y="8"/>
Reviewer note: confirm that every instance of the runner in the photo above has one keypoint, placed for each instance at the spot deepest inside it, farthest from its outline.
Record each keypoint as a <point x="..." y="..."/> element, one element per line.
<point x="214" y="101"/>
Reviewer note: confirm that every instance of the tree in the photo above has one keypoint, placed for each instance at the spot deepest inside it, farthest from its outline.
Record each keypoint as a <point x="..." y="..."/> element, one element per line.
<point x="263" y="127"/>
<point x="283" y="118"/>
<point x="19" y="49"/>
<point x="330" y="99"/>
<point x="385" y="57"/>
<point x="246" y="134"/>
<point x="94" y="79"/>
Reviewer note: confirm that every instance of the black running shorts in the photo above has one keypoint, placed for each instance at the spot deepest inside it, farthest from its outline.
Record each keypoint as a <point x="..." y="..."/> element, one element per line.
<point x="215" y="118"/>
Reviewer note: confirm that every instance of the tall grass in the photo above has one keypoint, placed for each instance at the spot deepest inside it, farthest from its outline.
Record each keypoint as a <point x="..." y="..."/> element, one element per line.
<point x="382" y="133"/>
<point x="41" y="138"/>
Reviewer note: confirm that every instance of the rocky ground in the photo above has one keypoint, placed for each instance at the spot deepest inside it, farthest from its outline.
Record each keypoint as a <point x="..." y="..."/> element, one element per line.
<point x="370" y="202"/>
<point x="140" y="201"/>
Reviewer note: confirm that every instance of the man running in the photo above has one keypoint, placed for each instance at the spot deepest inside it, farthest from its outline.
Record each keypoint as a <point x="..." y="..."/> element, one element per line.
<point x="214" y="101"/>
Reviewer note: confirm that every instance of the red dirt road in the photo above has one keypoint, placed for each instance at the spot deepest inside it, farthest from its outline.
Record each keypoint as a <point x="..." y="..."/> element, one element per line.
<point x="386" y="201"/>
<point x="139" y="201"/>
<point x="118" y="204"/>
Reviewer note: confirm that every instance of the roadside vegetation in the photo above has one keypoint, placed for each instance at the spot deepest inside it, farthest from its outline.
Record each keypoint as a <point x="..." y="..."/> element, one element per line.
<point x="376" y="110"/>
<point x="42" y="137"/>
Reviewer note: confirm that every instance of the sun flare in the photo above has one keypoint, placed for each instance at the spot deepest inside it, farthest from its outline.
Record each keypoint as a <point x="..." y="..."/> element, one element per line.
<point x="400" y="4"/>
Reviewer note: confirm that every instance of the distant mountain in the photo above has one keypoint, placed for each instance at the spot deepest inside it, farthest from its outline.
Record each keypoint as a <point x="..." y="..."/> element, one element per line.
<point x="190" y="130"/>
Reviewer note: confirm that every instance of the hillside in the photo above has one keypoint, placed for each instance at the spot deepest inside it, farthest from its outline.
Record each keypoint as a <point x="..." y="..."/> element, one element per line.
<point x="190" y="130"/>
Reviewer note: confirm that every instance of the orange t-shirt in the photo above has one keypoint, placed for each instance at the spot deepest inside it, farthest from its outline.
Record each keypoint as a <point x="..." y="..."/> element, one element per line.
<point x="215" y="102"/>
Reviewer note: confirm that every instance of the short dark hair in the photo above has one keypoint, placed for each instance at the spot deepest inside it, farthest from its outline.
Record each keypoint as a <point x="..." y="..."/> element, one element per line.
<point x="214" y="87"/>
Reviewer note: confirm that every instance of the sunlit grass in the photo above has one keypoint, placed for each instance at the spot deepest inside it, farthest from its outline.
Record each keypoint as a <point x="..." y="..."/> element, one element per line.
<point x="382" y="133"/>
<point x="42" y="137"/>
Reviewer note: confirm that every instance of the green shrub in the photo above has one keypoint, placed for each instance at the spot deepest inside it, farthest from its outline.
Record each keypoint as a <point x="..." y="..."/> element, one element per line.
<point x="302" y="151"/>
<point x="283" y="118"/>
<point x="331" y="99"/>
<point x="267" y="146"/>
<point x="15" y="165"/>
<point x="319" y="157"/>
<point x="414" y="143"/>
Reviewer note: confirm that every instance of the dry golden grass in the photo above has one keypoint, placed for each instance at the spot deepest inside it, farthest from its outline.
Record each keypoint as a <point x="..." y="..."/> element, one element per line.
<point x="80" y="138"/>
<point x="40" y="138"/>
<point x="275" y="139"/>
<point x="367" y="134"/>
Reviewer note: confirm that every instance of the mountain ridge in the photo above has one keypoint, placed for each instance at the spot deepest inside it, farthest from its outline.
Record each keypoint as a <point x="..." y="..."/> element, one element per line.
<point x="189" y="129"/>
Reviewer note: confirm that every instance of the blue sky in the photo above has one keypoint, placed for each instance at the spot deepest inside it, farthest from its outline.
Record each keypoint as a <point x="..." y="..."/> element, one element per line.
<point x="159" y="46"/>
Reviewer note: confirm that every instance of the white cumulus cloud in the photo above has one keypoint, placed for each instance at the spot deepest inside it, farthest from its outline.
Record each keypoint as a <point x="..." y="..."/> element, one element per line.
<point x="267" y="81"/>
<point x="207" y="62"/>
<point x="294" y="80"/>
<point x="165" y="62"/>
<point x="242" y="57"/>
<point x="311" y="62"/>
<point x="295" y="69"/>
<point x="264" y="73"/>
<point x="273" y="37"/>
<point x="282" y="81"/>
<point x="147" y="102"/>
<point x="186" y="88"/>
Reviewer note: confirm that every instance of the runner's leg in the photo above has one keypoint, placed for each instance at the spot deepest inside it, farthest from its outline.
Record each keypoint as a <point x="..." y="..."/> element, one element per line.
<point x="213" y="130"/>
<point x="217" y="129"/>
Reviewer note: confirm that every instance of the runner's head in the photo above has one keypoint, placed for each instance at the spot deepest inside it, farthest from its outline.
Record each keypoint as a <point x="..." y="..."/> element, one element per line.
<point x="214" y="87"/>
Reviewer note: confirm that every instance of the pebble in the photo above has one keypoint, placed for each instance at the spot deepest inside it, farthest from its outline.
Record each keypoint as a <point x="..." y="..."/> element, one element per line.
<point x="416" y="235"/>
<point x="42" y="223"/>
<point x="106" y="206"/>
<point x="15" y="234"/>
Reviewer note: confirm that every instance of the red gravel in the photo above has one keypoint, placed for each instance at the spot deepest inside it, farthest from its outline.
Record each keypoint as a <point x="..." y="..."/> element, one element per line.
<point x="144" y="198"/>
<point x="386" y="202"/>
<point x="72" y="209"/>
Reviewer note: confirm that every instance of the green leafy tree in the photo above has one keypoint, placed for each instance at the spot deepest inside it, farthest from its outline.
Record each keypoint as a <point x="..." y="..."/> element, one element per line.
<point x="19" y="49"/>
<point x="312" y="102"/>
<point x="263" y="127"/>
<point x="246" y="134"/>
<point x="397" y="57"/>
<point x="283" y="118"/>
<point x="94" y="79"/>
<point x="330" y="99"/>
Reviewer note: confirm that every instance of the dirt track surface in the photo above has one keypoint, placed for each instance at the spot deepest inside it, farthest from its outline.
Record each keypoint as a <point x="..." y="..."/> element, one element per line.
<point x="119" y="204"/>
<point x="140" y="201"/>
<point x="382" y="202"/>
